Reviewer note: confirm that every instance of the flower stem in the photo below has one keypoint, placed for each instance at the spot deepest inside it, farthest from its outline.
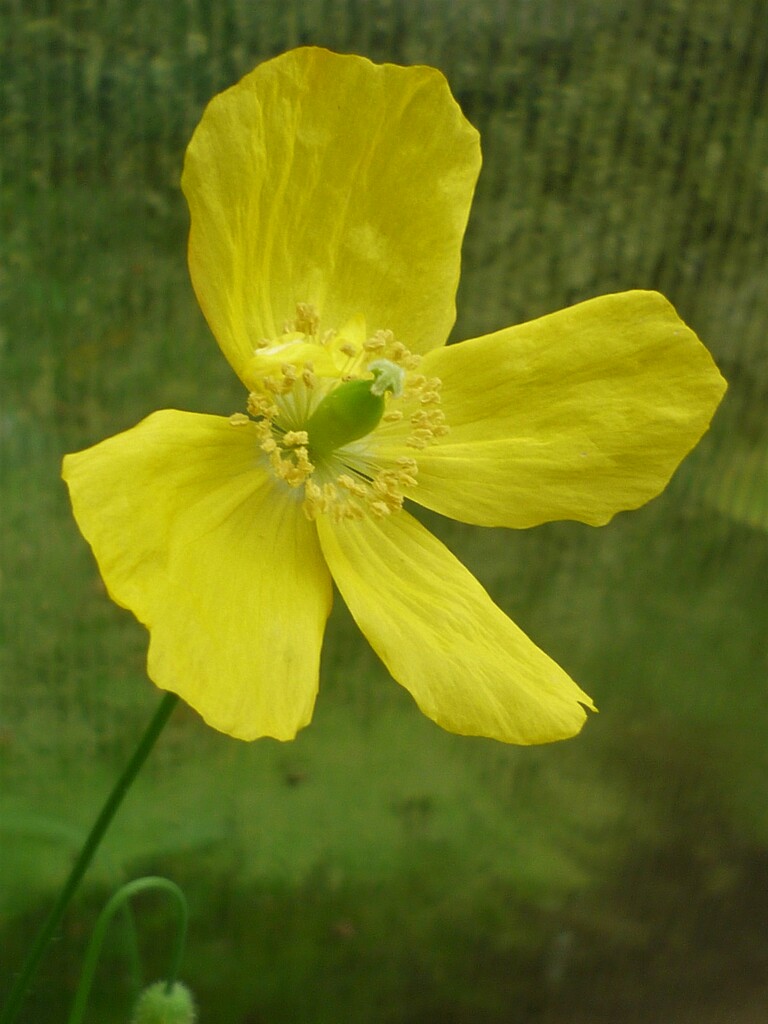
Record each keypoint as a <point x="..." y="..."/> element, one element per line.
<point x="100" y="826"/>
<point x="116" y="903"/>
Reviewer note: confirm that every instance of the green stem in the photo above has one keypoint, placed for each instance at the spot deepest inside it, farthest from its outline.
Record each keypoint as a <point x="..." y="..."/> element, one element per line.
<point x="117" y="902"/>
<point x="100" y="826"/>
<point x="133" y="953"/>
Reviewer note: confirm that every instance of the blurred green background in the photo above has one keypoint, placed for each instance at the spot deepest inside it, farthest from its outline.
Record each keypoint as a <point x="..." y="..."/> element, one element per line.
<point x="377" y="869"/>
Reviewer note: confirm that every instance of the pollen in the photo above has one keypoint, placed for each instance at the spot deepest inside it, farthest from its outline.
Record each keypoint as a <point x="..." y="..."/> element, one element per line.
<point x="342" y="474"/>
<point x="291" y="438"/>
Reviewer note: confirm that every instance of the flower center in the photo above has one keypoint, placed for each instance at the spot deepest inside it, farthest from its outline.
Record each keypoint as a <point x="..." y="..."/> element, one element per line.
<point x="325" y="403"/>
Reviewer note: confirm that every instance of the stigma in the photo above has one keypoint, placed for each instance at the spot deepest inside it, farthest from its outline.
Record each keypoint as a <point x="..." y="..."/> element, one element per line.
<point x="319" y="399"/>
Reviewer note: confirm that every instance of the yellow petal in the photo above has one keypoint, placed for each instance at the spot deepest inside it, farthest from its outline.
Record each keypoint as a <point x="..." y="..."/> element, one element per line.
<point x="216" y="560"/>
<point x="578" y="415"/>
<point x="329" y="180"/>
<point x="467" y="665"/>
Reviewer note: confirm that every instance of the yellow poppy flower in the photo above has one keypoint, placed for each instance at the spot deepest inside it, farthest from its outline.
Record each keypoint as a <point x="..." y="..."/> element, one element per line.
<point x="328" y="201"/>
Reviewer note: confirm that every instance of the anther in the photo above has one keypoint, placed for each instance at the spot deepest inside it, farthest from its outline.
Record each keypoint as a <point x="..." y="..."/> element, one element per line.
<point x="294" y="437"/>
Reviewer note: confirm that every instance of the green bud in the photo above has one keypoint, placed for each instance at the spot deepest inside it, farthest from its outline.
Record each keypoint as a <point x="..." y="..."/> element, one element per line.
<point x="353" y="409"/>
<point x="159" y="1005"/>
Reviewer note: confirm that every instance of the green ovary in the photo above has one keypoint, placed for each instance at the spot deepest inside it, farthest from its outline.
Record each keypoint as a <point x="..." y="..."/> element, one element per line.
<point x="352" y="410"/>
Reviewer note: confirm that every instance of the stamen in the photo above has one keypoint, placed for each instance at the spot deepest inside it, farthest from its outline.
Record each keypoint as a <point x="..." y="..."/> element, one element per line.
<point x="377" y="343"/>
<point x="312" y="425"/>
<point x="306" y="320"/>
<point x="295" y="437"/>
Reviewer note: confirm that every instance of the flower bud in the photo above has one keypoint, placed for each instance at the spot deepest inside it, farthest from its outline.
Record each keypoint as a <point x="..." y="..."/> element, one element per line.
<point x="160" y="1005"/>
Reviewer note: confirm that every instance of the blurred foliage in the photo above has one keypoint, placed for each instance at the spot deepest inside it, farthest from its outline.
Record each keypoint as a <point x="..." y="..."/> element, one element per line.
<point x="377" y="868"/>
